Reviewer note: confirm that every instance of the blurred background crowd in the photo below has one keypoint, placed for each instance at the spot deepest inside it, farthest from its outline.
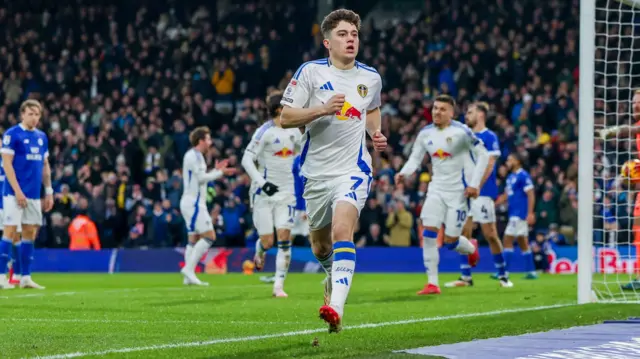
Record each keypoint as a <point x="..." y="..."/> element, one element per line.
<point x="123" y="83"/>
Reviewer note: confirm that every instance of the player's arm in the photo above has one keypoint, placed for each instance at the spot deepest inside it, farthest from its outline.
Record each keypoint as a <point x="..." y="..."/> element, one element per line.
<point x="8" y="152"/>
<point x="417" y="155"/>
<point x="374" y="119"/>
<point x="482" y="160"/>
<point x="255" y="147"/>
<point x="531" y="200"/>
<point x="46" y="180"/>
<point x="493" y="149"/>
<point x="619" y="131"/>
<point x="202" y="176"/>
<point x="295" y="100"/>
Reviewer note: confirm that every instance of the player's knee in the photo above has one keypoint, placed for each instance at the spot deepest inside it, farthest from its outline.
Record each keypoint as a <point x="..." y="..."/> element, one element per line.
<point x="321" y="250"/>
<point x="284" y="235"/>
<point x="10" y="232"/>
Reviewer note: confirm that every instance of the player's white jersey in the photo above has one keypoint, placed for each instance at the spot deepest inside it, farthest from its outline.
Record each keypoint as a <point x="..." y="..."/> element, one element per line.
<point x="449" y="150"/>
<point x="194" y="167"/>
<point x="274" y="148"/>
<point x="334" y="145"/>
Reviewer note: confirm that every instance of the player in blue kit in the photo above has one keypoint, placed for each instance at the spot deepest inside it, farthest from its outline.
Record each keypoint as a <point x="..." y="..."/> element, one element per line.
<point x="522" y="201"/>
<point x="15" y="272"/>
<point x="483" y="208"/>
<point x="26" y="165"/>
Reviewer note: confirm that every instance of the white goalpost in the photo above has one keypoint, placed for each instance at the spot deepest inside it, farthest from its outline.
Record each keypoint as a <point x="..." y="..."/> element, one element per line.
<point x="609" y="75"/>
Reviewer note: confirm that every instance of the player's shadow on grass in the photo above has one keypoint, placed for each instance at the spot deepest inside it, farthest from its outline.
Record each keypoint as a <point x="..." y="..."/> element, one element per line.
<point x="399" y="298"/>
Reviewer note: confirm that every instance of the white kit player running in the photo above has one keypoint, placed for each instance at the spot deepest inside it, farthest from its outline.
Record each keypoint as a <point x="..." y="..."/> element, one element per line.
<point x="483" y="208"/>
<point x="448" y="142"/>
<point x="25" y="160"/>
<point x="337" y="101"/>
<point x="193" y="204"/>
<point x="272" y="191"/>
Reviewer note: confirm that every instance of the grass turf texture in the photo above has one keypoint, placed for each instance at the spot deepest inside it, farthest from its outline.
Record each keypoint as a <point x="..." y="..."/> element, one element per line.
<point x="154" y="316"/>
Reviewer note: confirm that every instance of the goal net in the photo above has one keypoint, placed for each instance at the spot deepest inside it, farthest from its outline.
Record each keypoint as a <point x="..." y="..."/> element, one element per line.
<point x="614" y="68"/>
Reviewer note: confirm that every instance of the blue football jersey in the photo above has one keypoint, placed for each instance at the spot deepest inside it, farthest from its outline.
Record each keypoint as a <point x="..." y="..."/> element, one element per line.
<point x="298" y="183"/>
<point x="29" y="149"/>
<point x="1" y="182"/>
<point x="517" y="186"/>
<point x="490" y="140"/>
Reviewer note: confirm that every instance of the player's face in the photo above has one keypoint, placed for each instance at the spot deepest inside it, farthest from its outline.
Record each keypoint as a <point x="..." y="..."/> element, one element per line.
<point x="442" y="113"/>
<point x="511" y="163"/>
<point x="636" y="107"/>
<point x="343" y="41"/>
<point x="471" y="117"/>
<point x="208" y="141"/>
<point x="31" y="116"/>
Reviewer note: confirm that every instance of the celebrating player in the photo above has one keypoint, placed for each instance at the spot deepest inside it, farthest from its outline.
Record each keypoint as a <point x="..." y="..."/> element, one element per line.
<point x="622" y="132"/>
<point x="448" y="142"/>
<point x="193" y="204"/>
<point x="337" y="100"/>
<point x="483" y="208"/>
<point x="521" y="200"/>
<point x="272" y="191"/>
<point x="26" y="165"/>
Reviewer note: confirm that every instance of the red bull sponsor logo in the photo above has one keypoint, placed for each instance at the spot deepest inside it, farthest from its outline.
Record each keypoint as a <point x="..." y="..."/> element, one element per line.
<point x="348" y="112"/>
<point x="284" y="153"/>
<point x="441" y="154"/>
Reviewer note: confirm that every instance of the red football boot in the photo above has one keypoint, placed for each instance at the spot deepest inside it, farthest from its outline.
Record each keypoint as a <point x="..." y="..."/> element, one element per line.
<point x="11" y="278"/>
<point x="329" y="315"/>
<point x="475" y="257"/>
<point x="429" y="289"/>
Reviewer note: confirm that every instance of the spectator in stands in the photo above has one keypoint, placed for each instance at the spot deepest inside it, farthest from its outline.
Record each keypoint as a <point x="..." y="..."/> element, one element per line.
<point x="400" y="224"/>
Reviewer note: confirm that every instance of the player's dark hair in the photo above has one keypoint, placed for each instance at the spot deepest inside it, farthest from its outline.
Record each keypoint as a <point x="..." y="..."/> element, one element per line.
<point x="273" y="103"/>
<point x="518" y="158"/>
<point x="446" y="99"/>
<point x="198" y="134"/>
<point x="332" y="20"/>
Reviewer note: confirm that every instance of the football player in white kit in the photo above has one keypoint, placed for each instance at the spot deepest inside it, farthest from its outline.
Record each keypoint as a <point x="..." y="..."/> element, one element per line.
<point x="193" y="204"/>
<point x="448" y="142"/>
<point x="272" y="192"/>
<point x="26" y="165"/>
<point x="483" y="208"/>
<point x="337" y="101"/>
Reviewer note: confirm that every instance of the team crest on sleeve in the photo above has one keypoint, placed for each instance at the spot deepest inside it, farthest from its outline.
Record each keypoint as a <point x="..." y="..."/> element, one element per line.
<point x="291" y="88"/>
<point x="6" y="139"/>
<point x="363" y="90"/>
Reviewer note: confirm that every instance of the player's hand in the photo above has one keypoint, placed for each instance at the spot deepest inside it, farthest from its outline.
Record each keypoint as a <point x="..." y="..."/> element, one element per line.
<point x="21" y="199"/>
<point x="224" y="167"/>
<point x="48" y="202"/>
<point x="398" y="178"/>
<point x="334" y="104"/>
<point x="471" y="192"/>
<point x="531" y="219"/>
<point x="379" y="141"/>
<point x="270" y="189"/>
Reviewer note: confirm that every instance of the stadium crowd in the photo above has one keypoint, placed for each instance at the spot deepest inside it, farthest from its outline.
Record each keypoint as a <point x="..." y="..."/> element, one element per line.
<point x="123" y="86"/>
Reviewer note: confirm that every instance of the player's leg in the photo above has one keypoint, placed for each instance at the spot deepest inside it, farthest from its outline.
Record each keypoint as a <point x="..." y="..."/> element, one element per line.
<point x="12" y="217"/>
<point x="318" y="199"/>
<point x="31" y="222"/>
<point x="635" y="284"/>
<point x="432" y="219"/>
<point x="349" y="194"/>
<point x="202" y="226"/>
<point x="527" y="255"/>
<point x="455" y="218"/>
<point x="263" y="213"/>
<point x="510" y="234"/>
<point x="16" y="266"/>
<point x="284" y="218"/>
<point x="490" y="232"/>
<point x="465" y="279"/>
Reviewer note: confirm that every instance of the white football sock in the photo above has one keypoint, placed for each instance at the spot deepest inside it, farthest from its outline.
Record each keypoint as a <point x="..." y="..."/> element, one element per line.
<point x="187" y="252"/>
<point x="431" y="259"/>
<point x="344" y="264"/>
<point x="199" y="249"/>
<point x="259" y="248"/>
<point x="464" y="246"/>
<point x="283" y="258"/>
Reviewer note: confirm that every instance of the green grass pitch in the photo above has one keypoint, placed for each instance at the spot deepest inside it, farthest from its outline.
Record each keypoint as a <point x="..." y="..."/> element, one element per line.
<point x="154" y="316"/>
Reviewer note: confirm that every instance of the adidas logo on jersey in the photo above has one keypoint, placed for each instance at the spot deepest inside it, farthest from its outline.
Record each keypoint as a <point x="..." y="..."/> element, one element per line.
<point x="352" y="195"/>
<point x="344" y="281"/>
<point x="327" y="86"/>
<point x="276" y="141"/>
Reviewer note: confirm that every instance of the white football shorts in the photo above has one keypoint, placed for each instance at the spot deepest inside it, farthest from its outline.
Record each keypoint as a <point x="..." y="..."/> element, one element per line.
<point x="517" y="227"/>
<point x="14" y="215"/>
<point x="483" y="210"/>
<point x="321" y="196"/>
<point x="196" y="216"/>
<point x="276" y="211"/>
<point x="450" y="209"/>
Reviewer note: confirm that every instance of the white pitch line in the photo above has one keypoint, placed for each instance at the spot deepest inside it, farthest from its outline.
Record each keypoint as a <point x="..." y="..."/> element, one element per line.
<point x="296" y="333"/>
<point x="143" y="321"/>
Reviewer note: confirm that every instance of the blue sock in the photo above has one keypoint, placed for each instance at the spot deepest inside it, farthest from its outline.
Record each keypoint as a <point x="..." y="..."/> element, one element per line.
<point x="5" y="254"/>
<point x="17" y="267"/>
<point x="26" y="256"/>
<point x="465" y="268"/>
<point x="499" y="263"/>
<point x="508" y="258"/>
<point x="529" y="266"/>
